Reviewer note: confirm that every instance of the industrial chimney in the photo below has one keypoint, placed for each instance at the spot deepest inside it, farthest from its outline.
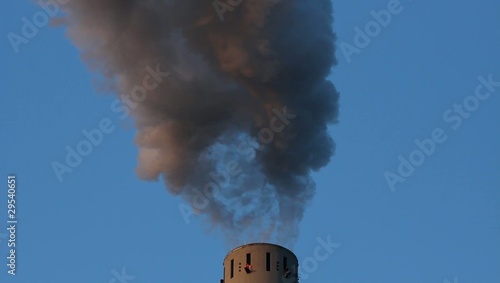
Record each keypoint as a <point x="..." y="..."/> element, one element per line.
<point x="260" y="262"/>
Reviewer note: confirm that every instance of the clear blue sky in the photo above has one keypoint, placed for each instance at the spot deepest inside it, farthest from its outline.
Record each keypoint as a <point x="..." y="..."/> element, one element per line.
<point x="441" y="223"/>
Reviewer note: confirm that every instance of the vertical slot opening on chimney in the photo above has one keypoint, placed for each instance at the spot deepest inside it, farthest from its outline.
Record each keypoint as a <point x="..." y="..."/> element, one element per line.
<point x="232" y="268"/>
<point x="268" y="261"/>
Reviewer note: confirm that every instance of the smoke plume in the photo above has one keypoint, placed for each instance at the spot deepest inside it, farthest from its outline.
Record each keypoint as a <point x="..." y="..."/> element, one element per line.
<point x="230" y="100"/>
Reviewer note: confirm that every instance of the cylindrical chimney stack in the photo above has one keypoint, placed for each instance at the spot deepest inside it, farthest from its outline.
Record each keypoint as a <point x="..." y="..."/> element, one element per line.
<point x="262" y="263"/>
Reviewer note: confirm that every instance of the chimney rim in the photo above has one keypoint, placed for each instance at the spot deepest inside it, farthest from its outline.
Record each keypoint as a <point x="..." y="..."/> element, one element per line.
<point x="256" y="244"/>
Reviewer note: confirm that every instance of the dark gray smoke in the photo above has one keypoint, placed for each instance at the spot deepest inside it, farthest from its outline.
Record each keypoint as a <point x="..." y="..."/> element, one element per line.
<point x="240" y="122"/>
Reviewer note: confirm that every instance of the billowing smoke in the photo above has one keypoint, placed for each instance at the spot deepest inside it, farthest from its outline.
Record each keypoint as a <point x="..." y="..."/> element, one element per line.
<point x="230" y="99"/>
